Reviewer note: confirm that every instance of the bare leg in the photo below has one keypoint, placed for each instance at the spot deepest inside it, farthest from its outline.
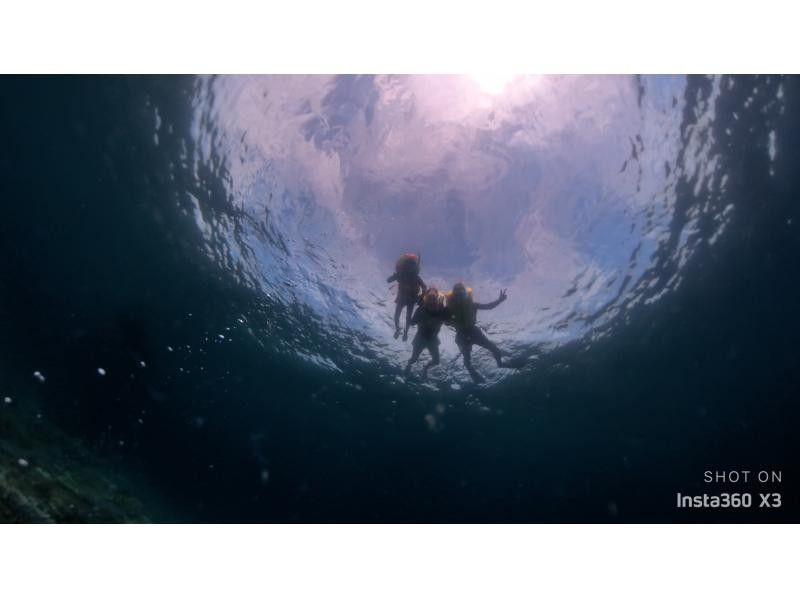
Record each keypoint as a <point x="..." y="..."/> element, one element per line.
<point x="415" y="352"/>
<point x="434" y="351"/>
<point x="410" y="308"/>
<point x="465" y="351"/>
<point x="479" y="338"/>
<point x="398" y="308"/>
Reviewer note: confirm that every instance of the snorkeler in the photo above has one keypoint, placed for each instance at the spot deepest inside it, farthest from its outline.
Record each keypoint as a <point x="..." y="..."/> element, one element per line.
<point x="463" y="315"/>
<point x="428" y="318"/>
<point x="409" y="286"/>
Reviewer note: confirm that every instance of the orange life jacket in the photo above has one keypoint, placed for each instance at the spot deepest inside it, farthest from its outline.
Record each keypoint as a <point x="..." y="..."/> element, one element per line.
<point x="462" y="312"/>
<point x="407" y="264"/>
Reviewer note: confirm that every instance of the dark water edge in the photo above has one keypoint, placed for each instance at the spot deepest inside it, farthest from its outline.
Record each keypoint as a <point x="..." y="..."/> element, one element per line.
<point x="100" y="270"/>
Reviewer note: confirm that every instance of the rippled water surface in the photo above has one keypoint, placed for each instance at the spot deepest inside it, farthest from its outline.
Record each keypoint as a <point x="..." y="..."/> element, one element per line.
<point x="566" y="190"/>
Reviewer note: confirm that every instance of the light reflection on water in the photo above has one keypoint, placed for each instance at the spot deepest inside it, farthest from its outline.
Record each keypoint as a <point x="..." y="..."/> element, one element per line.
<point x="562" y="189"/>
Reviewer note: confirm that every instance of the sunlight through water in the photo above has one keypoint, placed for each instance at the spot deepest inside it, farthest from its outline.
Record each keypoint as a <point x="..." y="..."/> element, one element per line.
<point x="561" y="188"/>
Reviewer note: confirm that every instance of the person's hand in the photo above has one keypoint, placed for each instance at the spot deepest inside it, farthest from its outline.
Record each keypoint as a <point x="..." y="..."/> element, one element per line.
<point x="503" y="295"/>
<point x="389" y="280"/>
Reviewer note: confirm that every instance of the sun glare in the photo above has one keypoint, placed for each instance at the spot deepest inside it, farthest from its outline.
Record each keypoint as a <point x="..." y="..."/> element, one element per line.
<point x="491" y="82"/>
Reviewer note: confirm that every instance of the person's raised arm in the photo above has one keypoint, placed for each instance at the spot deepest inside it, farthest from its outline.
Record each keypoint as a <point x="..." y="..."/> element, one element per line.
<point x="494" y="303"/>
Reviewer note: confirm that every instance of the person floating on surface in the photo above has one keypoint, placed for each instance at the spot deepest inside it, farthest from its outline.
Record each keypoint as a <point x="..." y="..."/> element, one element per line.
<point x="409" y="287"/>
<point x="462" y="315"/>
<point x="428" y="318"/>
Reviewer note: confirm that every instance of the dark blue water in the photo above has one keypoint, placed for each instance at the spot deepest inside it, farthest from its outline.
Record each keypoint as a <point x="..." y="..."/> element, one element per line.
<point x="219" y="248"/>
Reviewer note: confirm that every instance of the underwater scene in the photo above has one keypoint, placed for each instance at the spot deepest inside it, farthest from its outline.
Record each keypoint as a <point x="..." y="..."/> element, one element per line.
<point x="399" y="298"/>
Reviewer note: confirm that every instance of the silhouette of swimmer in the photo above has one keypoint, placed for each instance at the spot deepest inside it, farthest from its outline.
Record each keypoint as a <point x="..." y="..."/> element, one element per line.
<point x="428" y="318"/>
<point x="462" y="315"/>
<point x="409" y="286"/>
